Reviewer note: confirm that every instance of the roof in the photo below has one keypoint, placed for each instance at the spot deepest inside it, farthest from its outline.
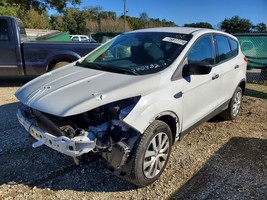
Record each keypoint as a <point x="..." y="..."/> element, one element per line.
<point x="183" y="30"/>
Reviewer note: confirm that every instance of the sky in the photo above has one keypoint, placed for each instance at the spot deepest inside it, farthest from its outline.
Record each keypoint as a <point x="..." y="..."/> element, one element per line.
<point x="187" y="11"/>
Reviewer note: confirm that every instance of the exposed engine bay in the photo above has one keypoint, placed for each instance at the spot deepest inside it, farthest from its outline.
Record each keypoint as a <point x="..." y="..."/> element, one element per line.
<point x="99" y="131"/>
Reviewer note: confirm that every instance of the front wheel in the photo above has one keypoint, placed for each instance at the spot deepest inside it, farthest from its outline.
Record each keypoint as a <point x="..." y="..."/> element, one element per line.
<point x="234" y="106"/>
<point x="152" y="154"/>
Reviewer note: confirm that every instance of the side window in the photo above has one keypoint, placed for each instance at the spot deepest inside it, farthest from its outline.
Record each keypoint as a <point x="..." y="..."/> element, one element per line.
<point x="202" y="51"/>
<point x="83" y="38"/>
<point x="3" y="31"/>
<point x="75" y="38"/>
<point x="22" y="32"/>
<point x="234" y="47"/>
<point x="223" y="46"/>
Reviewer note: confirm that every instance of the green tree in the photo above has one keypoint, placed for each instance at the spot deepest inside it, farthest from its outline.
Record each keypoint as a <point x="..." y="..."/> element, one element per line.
<point x="260" y="28"/>
<point x="134" y="22"/>
<point x="74" y="21"/>
<point x="42" y="5"/>
<point x="94" y="19"/>
<point x="7" y="9"/>
<point x="144" y="17"/>
<point x="33" y="19"/>
<point x="145" y="22"/>
<point x="236" y="25"/>
<point x="84" y="21"/>
<point x="199" y="25"/>
<point x="57" y="22"/>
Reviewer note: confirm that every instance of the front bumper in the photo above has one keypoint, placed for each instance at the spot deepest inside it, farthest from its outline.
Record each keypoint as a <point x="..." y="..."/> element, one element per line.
<point x="73" y="147"/>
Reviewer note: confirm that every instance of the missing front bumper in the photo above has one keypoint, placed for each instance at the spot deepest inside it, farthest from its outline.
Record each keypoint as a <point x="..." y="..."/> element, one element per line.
<point x="73" y="147"/>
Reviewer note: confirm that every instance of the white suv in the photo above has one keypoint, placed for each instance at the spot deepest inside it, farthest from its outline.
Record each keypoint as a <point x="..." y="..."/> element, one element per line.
<point x="132" y="97"/>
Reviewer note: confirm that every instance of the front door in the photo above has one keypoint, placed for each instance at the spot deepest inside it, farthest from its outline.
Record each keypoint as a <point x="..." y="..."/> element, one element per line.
<point x="200" y="92"/>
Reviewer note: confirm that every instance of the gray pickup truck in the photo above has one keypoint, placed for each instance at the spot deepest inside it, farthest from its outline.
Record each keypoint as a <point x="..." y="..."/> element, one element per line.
<point x="21" y="57"/>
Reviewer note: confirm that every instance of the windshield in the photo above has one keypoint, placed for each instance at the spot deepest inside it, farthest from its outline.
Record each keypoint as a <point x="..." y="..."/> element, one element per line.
<point x="137" y="53"/>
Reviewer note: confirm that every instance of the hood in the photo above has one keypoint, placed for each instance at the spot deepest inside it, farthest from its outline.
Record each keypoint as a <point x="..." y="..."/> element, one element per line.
<point x="72" y="90"/>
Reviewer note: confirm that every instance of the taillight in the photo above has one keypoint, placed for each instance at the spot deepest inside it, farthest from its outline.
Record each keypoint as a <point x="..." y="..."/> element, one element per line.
<point x="245" y="59"/>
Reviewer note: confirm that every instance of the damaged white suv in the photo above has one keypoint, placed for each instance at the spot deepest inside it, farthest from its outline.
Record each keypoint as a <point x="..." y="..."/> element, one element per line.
<point x="132" y="97"/>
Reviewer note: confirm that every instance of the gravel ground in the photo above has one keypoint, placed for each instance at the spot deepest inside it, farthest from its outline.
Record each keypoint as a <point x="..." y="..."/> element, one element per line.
<point x="218" y="160"/>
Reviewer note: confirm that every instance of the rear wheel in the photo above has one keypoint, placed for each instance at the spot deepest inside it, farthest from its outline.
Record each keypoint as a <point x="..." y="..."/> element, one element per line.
<point x="152" y="154"/>
<point x="234" y="106"/>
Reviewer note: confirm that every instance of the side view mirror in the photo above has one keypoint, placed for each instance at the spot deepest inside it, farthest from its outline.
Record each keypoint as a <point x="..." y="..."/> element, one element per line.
<point x="197" y="68"/>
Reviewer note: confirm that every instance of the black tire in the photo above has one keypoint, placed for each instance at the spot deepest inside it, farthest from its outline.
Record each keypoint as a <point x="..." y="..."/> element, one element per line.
<point x="148" y="163"/>
<point x="234" y="106"/>
<point x="59" y="65"/>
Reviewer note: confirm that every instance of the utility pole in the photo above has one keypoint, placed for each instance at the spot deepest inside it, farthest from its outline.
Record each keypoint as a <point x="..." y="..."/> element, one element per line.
<point x="124" y="15"/>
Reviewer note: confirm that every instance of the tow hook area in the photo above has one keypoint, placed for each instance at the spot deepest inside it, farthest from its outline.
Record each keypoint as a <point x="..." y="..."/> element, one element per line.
<point x="73" y="147"/>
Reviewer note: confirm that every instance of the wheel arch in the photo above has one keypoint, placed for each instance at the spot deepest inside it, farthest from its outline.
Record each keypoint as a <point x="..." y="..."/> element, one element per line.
<point x="172" y="120"/>
<point x="242" y="84"/>
<point x="61" y="58"/>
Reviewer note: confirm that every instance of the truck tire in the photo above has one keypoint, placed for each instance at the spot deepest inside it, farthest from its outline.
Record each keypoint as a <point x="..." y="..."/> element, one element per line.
<point x="59" y="64"/>
<point x="234" y="106"/>
<point x="152" y="154"/>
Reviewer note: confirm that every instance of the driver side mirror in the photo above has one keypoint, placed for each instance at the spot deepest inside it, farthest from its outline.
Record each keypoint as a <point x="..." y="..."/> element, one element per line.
<point x="197" y="68"/>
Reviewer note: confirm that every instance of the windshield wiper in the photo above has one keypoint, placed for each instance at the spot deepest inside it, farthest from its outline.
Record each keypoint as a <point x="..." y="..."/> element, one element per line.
<point x="90" y="65"/>
<point x="125" y="71"/>
<point x="109" y="68"/>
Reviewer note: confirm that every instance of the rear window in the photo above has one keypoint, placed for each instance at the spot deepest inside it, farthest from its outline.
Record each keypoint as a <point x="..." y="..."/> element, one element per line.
<point x="3" y="30"/>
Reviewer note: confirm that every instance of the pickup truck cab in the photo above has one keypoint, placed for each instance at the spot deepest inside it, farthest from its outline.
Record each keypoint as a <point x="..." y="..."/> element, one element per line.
<point x="18" y="56"/>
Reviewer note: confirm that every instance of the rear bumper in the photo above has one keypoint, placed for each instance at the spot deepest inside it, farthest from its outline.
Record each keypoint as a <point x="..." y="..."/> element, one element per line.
<point x="72" y="147"/>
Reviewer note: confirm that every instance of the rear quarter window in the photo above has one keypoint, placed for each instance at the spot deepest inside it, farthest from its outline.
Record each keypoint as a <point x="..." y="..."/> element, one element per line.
<point x="234" y="47"/>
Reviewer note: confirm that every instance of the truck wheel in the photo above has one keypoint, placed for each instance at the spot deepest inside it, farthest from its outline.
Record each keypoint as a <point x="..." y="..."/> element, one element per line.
<point x="59" y="64"/>
<point x="234" y="106"/>
<point x="152" y="154"/>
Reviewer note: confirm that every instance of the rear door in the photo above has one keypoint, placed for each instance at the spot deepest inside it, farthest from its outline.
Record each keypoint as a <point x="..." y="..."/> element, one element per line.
<point x="8" y="57"/>
<point x="200" y="91"/>
<point x="228" y="65"/>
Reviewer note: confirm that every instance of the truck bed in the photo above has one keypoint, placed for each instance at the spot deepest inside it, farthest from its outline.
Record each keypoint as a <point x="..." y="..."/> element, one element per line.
<point x="39" y="56"/>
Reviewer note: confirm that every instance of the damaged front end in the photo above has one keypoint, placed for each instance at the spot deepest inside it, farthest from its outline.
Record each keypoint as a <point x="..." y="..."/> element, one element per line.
<point x="100" y="131"/>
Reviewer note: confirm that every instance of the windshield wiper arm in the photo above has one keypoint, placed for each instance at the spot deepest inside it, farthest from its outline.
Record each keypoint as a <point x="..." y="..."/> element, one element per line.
<point x="126" y="71"/>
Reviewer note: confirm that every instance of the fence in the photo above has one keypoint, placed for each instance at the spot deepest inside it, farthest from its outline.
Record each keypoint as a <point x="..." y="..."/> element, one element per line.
<point x="254" y="47"/>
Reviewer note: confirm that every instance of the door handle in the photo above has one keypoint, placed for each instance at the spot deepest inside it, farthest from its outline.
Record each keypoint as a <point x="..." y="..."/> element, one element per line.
<point x="237" y="66"/>
<point x="215" y="76"/>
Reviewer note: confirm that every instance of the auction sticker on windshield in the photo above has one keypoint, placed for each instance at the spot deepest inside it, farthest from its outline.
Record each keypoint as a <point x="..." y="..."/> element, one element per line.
<point x="174" y="40"/>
